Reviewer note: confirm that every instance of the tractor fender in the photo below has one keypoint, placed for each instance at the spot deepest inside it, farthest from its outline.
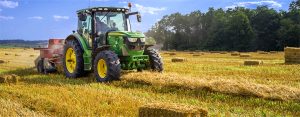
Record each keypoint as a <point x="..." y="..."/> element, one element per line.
<point x="81" y="41"/>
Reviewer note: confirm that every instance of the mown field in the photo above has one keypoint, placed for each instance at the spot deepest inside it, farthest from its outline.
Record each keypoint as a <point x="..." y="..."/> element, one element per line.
<point x="219" y="83"/>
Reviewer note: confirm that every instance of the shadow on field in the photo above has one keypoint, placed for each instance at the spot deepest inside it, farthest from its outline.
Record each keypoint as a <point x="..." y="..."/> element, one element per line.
<point x="31" y="76"/>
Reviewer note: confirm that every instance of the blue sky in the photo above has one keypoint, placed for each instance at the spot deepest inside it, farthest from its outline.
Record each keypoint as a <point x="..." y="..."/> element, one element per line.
<point x="44" y="19"/>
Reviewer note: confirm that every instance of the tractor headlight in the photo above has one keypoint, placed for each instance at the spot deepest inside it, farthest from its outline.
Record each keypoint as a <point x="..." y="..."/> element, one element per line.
<point x="132" y="40"/>
<point x="142" y="39"/>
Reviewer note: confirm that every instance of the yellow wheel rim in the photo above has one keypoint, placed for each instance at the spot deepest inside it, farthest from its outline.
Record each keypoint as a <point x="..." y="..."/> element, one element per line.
<point x="102" y="68"/>
<point x="70" y="60"/>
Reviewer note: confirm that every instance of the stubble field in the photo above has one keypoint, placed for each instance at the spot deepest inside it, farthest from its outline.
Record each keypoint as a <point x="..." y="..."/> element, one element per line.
<point x="217" y="82"/>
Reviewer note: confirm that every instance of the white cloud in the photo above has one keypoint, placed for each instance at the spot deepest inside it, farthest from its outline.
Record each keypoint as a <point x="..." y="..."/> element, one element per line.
<point x="36" y="17"/>
<point x="150" y="10"/>
<point x="58" y="17"/>
<point x="269" y="3"/>
<point x="9" y="4"/>
<point x="6" y="17"/>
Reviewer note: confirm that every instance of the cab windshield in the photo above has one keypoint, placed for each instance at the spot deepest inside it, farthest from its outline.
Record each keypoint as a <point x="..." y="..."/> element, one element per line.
<point x="110" y="21"/>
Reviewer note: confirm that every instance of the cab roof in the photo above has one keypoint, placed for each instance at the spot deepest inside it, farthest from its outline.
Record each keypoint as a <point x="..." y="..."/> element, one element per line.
<point x="112" y="9"/>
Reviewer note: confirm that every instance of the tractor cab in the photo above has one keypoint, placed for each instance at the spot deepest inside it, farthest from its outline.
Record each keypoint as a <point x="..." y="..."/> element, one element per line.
<point x="96" y="23"/>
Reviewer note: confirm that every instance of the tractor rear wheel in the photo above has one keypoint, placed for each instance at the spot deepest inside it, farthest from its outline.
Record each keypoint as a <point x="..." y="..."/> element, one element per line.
<point x="156" y="63"/>
<point x="73" y="63"/>
<point x="107" y="66"/>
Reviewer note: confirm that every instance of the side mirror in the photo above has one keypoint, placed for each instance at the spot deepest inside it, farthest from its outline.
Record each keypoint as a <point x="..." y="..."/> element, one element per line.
<point x="82" y="17"/>
<point x="139" y="17"/>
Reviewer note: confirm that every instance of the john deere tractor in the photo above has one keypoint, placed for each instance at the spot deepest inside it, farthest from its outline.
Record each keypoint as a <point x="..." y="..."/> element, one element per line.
<point x="105" y="44"/>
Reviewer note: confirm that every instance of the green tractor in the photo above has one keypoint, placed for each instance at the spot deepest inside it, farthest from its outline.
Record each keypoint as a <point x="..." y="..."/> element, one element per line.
<point x="105" y="44"/>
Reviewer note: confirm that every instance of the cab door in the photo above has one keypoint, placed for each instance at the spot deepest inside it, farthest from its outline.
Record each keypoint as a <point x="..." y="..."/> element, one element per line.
<point x="85" y="30"/>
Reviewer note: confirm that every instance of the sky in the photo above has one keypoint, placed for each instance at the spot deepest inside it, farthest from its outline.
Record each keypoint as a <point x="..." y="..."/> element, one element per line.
<point x="44" y="19"/>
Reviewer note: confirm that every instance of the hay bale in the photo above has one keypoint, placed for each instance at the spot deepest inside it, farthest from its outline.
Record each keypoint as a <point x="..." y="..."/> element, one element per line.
<point x="6" y="54"/>
<point x="196" y="55"/>
<point x="191" y="53"/>
<point x="31" y="56"/>
<point x="171" y="110"/>
<point x="177" y="59"/>
<point x="9" y="79"/>
<point x="2" y="61"/>
<point x="252" y="62"/>
<point x="292" y="55"/>
<point x="172" y="54"/>
<point x="245" y="55"/>
<point x="235" y="54"/>
<point x="223" y="52"/>
<point x="262" y="52"/>
<point x="17" y="55"/>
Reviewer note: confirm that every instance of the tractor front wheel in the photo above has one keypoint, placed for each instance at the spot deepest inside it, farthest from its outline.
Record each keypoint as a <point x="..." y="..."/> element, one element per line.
<point x="107" y="66"/>
<point x="155" y="62"/>
<point x="73" y="59"/>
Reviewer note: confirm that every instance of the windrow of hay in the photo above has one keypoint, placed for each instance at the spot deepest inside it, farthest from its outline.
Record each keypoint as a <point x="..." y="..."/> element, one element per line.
<point x="171" y="110"/>
<point x="292" y="55"/>
<point x="234" y="87"/>
<point x="196" y="55"/>
<point x="245" y="55"/>
<point x="9" y="79"/>
<point x="13" y="109"/>
<point x="178" y="59"/>
<point x="252" y="62"/>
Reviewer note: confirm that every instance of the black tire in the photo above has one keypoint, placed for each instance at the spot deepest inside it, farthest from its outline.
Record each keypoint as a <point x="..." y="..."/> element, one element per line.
<point x="113" y="65"/>
<point x="40" y="66"/>
<point x="79" y="68"/>
<point x="156" y="63"/>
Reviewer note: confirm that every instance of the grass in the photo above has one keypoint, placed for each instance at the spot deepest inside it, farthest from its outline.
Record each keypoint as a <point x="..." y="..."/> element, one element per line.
<point x="210" y="81"/>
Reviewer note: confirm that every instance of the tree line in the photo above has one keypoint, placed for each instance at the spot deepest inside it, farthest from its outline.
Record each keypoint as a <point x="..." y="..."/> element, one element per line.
<point x="237" y="29"/>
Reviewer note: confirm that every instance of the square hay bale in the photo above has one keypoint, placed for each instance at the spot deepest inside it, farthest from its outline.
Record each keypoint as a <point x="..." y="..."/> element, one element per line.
<point x="172" y="54"/>
<point x="292" y="55"/>
<point x="17" y="55"/>
<point x="262" y="52"/>
<point x="223" y="52"/>
<point x="245" y="55"/>
<point x="13" y="78"/>
<point x="171" y="110"/>
<point x="235" y="54"/>
<point x="252" y="62"/>
<point x="31" y="56"/>
<point x="2" y="61"/>
<point x="178" y="59"/>
<point x="191" y="53"/>
<point x="6" y="54"/>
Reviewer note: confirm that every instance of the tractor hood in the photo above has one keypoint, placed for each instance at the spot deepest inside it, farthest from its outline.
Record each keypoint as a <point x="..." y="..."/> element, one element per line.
<point x="127" y="34"/>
